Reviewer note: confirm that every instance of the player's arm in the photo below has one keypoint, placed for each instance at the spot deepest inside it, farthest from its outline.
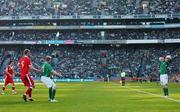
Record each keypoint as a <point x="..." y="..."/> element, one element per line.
<point x="34" y="69"/>
<point x="176" y="56"/>
<point x="56" y="73"/>
<point x="6" y="71"/>
<point x="53" y="72"/>
<point x="169" y="59"/>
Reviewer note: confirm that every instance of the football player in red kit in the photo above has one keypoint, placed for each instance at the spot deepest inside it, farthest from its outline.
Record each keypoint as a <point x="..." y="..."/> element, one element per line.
<point x="25" y="66"/>
<point x="9" y="72"/>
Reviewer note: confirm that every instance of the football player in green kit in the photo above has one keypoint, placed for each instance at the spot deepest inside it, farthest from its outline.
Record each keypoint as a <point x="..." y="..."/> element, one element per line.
<point x="46" y="78"/>
<point x="164" y="62"/>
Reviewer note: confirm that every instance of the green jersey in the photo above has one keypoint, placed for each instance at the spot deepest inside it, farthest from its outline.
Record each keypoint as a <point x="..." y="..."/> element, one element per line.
<point x="123" y="74"/>
<point x="47" y="69"/>
<point x="163" y="67"/>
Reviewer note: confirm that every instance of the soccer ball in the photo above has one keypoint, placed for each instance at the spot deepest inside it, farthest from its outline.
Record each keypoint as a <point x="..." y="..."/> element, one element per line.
<point x="168" y="57"/>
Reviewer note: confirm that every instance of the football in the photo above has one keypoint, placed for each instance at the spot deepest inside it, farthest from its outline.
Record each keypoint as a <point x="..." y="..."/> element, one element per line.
<point x="168" y="57"/>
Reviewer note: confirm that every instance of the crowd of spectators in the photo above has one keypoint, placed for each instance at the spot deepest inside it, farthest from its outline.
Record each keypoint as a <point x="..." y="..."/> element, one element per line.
<point x="88" y="61"/>
<point x="87" y="7"/>
<point x="164" y="6"/>
<point x="89" y="35"/>
<point x="140" y="34"/>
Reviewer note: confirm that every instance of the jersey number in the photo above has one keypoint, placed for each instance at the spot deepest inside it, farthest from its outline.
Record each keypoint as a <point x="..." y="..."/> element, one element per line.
<point x="22" y="64"/>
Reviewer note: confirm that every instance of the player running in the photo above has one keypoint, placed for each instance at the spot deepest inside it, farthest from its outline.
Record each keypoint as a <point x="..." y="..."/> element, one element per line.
<point x="9" y="72"/>
<point x="25" y="65"/>
<point x="48" y="73"/>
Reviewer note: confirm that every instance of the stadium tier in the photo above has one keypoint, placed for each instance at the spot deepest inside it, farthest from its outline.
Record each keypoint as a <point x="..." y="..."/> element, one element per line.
<point x="87" y="7"/>
<point x="90" y="35"/>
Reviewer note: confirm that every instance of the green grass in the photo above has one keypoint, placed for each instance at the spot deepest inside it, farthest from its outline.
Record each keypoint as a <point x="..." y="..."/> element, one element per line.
<point x="94" y="97"/>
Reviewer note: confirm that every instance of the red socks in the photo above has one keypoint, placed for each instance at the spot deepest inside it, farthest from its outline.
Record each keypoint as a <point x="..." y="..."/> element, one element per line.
<point x="29" y="92"/>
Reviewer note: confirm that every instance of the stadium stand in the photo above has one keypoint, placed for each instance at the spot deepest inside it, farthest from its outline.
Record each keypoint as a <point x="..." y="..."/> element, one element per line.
<point x="85" y="61"/>
<point x="90" y="35"/>
<point x="87" y="7"/>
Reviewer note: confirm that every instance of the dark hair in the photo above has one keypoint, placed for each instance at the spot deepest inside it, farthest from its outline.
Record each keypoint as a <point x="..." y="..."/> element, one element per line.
<point x="10" y="62"/>
<point x="48" y="58"/>
<point x="26" y="51"/>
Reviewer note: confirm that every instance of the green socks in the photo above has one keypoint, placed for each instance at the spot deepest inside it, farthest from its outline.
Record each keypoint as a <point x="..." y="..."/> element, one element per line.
<point x="53" y="93"/>
<point x="166" y="91"/>
<point x="50" y="93"/>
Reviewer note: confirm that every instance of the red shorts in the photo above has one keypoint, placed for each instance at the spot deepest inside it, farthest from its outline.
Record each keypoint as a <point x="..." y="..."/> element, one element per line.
<point x="8" y="80"/>
<point x="27" y="80"/>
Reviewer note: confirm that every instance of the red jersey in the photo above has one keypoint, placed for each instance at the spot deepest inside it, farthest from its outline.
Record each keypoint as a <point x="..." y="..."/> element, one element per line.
<point x="10" y="70"/>
<point x="24" y="64"/>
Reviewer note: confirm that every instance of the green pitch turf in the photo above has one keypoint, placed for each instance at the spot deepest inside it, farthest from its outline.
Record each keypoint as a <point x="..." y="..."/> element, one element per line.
<point x="94" y="97"/>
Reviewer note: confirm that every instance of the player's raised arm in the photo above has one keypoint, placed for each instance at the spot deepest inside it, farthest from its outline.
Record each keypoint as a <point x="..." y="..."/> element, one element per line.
<point x="170" y="58"/>
<point x="177" y="55"/>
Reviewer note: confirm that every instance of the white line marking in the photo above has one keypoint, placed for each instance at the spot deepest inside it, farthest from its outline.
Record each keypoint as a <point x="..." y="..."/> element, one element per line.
<point x="140" y="91"/>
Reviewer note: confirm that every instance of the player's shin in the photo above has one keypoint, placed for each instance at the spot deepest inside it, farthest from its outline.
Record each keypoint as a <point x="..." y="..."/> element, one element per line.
<point x="30" y="93"/>
<point x="167" y="92"/>
<point x="13" y="88"/>
<point x="3" y="88"/>
<point x="164" y="90"/>
<point x="53" y="94"/>
<point x="50" y="93"/>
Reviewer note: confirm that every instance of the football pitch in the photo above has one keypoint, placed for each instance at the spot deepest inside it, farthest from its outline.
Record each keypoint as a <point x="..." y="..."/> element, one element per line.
<point x="95" y="97"/>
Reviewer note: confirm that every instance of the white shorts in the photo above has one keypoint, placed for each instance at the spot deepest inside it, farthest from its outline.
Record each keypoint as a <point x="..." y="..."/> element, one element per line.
<point x="48" y="82"/>
<point x="164" y="79"/>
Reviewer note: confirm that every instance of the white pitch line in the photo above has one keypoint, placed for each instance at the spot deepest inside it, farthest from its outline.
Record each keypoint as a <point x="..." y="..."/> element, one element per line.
<point x="140" y="91"/>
